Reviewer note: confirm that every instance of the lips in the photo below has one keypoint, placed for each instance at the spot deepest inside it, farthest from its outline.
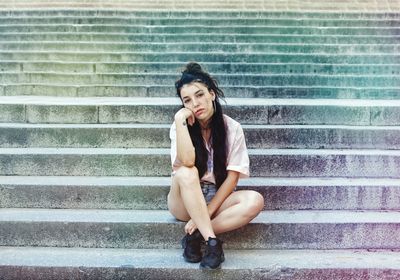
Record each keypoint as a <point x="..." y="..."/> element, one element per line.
<point x="199" y="112"/>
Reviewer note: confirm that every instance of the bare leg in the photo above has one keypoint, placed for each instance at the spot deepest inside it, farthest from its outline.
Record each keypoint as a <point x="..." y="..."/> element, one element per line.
<point x="186" y="201"/>
<point x="237" y="210"/>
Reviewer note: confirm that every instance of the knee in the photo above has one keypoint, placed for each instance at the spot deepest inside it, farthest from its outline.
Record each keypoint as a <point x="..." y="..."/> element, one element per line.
<point x="254" y="203"/>
<point x="187" y="174"/>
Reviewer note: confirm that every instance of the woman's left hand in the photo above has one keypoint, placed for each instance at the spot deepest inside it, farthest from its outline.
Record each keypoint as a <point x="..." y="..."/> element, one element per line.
<point x="190" y="227"/>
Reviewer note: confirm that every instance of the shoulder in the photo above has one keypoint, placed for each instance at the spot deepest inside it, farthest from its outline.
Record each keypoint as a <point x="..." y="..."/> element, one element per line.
<point x="231" y="123"/>
<point x="233" y="129"/>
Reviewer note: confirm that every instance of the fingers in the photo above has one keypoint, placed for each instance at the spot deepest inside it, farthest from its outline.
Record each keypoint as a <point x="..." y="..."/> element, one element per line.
<point x="191" y="119"/>
<point x="193" y="230"/>
<point x="190" y="227"/>
<point x="187" y="227"/>
<point x="186" y="114"/>
<point x="189" y="116"/>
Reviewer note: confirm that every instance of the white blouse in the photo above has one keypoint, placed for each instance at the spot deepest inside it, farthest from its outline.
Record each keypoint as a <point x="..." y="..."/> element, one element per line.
<point x="237" y="160"/>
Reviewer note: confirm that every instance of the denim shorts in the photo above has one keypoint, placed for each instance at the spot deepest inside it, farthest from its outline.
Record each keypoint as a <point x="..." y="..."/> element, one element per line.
<point x="209" y="190"/>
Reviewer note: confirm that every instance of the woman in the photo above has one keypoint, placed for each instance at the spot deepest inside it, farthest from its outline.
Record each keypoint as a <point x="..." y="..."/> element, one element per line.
<point x="209" y="155"/>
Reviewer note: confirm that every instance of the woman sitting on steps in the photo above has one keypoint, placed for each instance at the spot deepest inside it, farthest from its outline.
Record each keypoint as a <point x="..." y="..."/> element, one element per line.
<point x="209" y="154"/>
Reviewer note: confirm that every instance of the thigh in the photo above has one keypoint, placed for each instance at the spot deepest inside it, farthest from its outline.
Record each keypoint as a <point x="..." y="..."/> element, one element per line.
<point x="175" y="202"/>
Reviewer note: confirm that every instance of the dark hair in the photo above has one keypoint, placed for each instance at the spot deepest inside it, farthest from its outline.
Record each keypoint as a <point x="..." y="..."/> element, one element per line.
<point x="194" y="73"/>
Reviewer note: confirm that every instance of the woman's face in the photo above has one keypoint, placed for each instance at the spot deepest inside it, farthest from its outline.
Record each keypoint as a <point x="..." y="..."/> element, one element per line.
<point x="197" y="98"/>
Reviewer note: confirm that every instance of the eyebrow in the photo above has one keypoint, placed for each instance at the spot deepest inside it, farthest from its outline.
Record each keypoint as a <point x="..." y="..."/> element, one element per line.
<point x="186" y="97"/>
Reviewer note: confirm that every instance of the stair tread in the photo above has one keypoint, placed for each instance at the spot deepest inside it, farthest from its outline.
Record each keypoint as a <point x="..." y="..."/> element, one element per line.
<point x="166" y="151"/>
<point x="173" y="65"/>
<point x="192" y="26"/>
<point x="163" y="216"/>
<point x="172" y="258"/>
<point x="167" y="126"/>
<point x="166" y="53"/>
<point x="204" y="14"/>
<point x="166" y="181"/>
<point x="62" y="100"/>
<point x="169" y="76"/>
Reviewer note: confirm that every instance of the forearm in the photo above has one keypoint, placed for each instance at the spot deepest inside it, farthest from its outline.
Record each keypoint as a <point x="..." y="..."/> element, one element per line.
<point x="223" y="192"/>
<point x="184" y="146"/>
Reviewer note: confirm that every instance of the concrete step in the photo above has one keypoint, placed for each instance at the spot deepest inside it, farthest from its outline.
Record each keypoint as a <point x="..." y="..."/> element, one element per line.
<point x="149" y="193"/>
<point x="202" y="37"/>
<point x="225" y="19"/>
<point x="201" y="14"/>
<point x="158" y="229"/>
<point x="214" y="68"/>
<point x="151" y="91"/>
<point x="194" y="28"/>
<point x="325" y="6"/>
<point x="83" y="263"/>
<point x="14" y="135"/>
<point x="183" y="57"/>
<point x="352" y="163"/>
<point x="37" y="109"/>
<point x="273" y="68"/>
<point x="85" y="136"/>
<point x="271" y="80"/>
<point x="200" y="47"/>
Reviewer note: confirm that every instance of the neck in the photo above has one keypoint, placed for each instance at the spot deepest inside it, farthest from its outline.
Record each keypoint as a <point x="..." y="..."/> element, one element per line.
<point x="206" y="125"/>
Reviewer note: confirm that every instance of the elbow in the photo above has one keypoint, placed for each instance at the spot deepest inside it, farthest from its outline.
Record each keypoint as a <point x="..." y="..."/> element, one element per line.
<point x="188" y="162"/>
<point x="187" y="159"/>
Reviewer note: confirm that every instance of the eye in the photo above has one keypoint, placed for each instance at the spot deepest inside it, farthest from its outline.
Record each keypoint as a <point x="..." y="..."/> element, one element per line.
<point x="186" y="101"/>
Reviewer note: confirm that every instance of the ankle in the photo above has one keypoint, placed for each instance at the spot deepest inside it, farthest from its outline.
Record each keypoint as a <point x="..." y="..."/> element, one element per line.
<point x="213" y="241"/>
<point x="210" y="236"/>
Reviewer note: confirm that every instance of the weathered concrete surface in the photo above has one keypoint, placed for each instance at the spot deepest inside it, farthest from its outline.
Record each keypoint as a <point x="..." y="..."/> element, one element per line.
<point x="85" y="136"/>
<point x="209" y="38"/>
<point x="236" y="29"/>
<point x="150" y="193"/>
<point x="161" y="110"/>
<point x="193" y="47"/>
<point x="210" y="18"/>
<point x="14" y="135"/>
<point x="84" y="192"/>
<point x="84" y="263"/>
<point x="245" y="91"/>
<point x="156" y="162"/>
<point x="158" y="229"/>
<point x="12" y="113"/>
<point x="203" y="56"/>
<point x="242" y="5"/>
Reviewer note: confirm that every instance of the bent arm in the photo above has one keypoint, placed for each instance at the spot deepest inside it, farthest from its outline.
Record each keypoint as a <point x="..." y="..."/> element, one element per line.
<point x="184" y="147"/>
<point x="223" y="192"/>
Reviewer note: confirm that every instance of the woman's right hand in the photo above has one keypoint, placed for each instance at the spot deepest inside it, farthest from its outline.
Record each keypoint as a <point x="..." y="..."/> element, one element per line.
<point x="185" y="114"/>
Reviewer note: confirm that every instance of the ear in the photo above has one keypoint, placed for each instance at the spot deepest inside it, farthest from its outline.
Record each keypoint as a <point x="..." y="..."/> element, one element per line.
<point x="212" y="94"/>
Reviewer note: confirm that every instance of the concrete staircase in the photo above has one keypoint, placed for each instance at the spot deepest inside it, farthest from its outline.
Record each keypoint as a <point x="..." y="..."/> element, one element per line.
<point x="87" y="99"/>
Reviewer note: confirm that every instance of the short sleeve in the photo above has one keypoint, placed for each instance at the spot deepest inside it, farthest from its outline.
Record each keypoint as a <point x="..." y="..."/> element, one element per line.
<point x="238" y="157"/>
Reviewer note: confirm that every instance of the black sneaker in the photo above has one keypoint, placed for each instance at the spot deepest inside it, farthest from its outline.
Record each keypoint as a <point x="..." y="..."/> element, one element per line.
<point x="192" y="247"/>
<point x="214" y="255"/>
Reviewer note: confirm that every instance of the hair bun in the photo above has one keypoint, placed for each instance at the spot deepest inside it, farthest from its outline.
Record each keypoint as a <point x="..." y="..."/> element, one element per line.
<point x="193" y="68"/>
